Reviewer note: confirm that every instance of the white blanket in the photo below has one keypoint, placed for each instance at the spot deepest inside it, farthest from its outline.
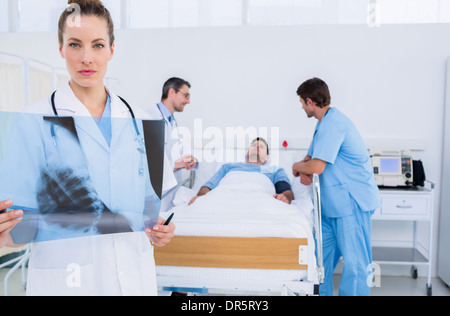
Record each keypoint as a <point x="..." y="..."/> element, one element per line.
<point x="243" y="206"/>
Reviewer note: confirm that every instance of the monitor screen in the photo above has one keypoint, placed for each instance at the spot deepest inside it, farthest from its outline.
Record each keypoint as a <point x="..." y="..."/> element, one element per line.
<point x="389" y="165"/>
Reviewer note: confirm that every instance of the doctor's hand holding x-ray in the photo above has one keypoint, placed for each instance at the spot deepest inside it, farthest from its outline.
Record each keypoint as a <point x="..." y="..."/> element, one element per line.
<point x="7" y="222"/>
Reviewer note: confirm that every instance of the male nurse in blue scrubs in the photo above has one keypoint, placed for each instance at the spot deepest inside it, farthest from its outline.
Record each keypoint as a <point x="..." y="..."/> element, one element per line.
<point x="349" y="193"/>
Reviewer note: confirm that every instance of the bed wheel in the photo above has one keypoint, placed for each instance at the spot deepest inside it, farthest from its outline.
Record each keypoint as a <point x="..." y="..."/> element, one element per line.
<point x="414" y="272"/>
<point x="316" y="289"/>
<point x="429" y="290"/>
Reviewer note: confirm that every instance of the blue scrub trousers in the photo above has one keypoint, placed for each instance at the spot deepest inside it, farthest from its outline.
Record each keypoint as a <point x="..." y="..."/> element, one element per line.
<point x="349" y="237"/>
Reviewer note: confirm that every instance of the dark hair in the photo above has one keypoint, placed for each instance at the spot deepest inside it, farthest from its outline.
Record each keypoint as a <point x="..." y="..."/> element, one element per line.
<point x="87" y="8"/>
<point x="316" y="90"/>
<point x="173" y="83"/>
<point x="260" y="139"/>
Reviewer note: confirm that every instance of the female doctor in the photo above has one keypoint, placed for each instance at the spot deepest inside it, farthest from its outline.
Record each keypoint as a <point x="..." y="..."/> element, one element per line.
<point x="113" y="264"/>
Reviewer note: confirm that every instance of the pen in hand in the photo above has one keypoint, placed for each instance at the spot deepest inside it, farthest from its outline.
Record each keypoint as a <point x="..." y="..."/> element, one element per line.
<point x="169" y="220"/>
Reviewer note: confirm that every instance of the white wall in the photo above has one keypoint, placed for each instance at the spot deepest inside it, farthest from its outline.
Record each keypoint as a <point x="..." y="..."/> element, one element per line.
<point x="390" y="80"/>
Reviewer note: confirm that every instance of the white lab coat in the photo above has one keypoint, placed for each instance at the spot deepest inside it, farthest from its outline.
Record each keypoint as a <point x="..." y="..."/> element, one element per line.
<point x="175" y="147"/>
<point x="116" y="264"/>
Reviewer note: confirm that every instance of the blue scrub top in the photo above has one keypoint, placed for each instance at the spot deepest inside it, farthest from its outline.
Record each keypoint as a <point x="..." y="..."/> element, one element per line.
<point x="348" y="175"/>
<point x="104" y="124"/>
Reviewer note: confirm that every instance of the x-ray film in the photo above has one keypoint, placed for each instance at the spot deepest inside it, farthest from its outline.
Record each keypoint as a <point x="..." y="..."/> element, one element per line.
<point x="70" y="184"/>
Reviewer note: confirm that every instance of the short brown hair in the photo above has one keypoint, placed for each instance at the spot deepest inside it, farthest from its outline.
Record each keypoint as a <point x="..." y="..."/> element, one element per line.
<point x="87" y="8"/>
<point x="173" y="83"/>
<point x="317" y="90"/>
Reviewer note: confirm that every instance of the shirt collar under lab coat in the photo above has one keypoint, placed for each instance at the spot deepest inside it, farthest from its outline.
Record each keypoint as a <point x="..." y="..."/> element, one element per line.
<point x="165" y="111"/>
<point x="67" y="104"/>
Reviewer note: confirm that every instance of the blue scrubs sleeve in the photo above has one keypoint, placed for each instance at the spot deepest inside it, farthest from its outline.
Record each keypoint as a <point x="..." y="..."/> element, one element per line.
<point x="327" y="142"/>
<point x="280" y="176"/>
<point x="281" y="181"/>
<point x="215" y="180"/>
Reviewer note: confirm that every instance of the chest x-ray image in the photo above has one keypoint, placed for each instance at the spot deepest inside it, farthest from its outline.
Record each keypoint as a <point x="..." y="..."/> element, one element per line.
<point x="70" y="184"/>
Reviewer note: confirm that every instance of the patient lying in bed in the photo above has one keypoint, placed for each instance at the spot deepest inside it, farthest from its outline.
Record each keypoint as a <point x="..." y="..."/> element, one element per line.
<point x="257" y="156"/>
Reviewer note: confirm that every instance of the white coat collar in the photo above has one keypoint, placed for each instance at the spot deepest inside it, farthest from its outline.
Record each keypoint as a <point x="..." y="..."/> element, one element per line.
<point x="67" y="104"/>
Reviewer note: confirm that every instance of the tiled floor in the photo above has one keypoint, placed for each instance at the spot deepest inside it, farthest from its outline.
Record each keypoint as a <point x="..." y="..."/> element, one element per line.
<point x="390" y="286"/>
<point x="15" y="287"/>
<point x="403" y="286"/>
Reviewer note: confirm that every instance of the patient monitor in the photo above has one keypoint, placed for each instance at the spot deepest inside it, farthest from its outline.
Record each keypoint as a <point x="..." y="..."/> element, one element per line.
<point x="392" y="168"/>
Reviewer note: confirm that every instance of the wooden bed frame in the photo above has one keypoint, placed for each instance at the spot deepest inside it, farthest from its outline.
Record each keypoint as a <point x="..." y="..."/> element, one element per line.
<point x="232" y="252"/>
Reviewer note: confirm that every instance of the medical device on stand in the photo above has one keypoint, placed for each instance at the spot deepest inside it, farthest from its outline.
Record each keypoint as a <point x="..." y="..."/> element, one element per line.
<point x="392" y="168"/>
<point x="405" y="196"/>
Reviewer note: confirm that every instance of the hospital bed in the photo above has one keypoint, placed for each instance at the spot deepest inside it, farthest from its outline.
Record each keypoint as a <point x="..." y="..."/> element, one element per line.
<point x="244" y="252"/>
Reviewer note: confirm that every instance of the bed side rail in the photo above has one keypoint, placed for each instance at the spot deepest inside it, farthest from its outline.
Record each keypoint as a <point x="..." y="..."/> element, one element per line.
<point x="318" y="227"/>
<point x="185" y="182"/>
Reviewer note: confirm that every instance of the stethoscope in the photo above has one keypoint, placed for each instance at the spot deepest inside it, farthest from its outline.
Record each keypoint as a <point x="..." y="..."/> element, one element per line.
<point x="139" y="139"/>
<point x="180" y="136"/>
